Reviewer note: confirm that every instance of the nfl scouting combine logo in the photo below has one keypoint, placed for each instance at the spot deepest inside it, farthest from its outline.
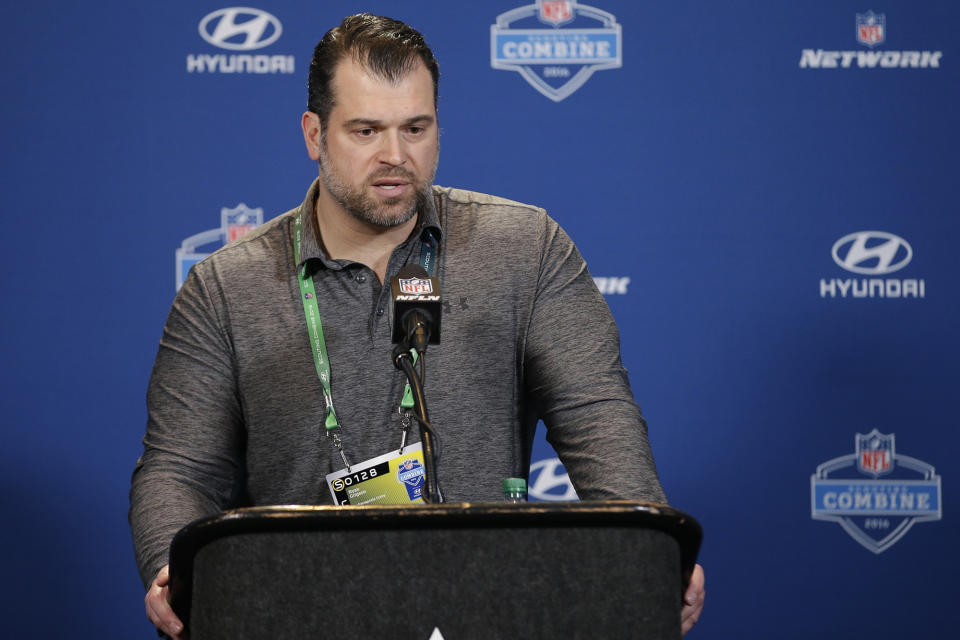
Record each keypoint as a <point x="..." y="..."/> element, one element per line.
<point x="234" y="223"/>
<point x="239" y="29"/>
<point x="411" y="474"/>
<point x="872" y="253"/>
<point x="555" y="46"/>
<point x="875" y="493"/>
<point x="871" y="30"/>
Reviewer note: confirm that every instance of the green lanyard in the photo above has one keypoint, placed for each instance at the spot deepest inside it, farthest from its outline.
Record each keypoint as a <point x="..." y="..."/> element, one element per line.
<point x="308" y="296"/>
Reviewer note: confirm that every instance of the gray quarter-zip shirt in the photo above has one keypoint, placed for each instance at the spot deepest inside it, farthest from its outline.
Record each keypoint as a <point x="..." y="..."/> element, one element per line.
<point x="236" y="410"/>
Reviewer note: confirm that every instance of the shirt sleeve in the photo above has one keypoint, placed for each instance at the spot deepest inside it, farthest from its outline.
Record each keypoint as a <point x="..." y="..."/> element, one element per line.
<point x="192" y="462"/>
<point x="574" y="374"/>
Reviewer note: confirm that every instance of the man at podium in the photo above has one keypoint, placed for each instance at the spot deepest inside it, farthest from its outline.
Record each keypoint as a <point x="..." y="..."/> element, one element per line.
<point x="273" y="381"/>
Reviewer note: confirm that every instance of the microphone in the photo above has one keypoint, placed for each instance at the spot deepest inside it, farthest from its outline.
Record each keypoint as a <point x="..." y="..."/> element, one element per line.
<point x="417" y="308"/>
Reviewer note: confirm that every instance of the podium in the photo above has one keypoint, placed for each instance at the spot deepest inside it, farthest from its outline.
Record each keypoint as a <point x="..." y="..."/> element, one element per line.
<point x="611" y="569"/>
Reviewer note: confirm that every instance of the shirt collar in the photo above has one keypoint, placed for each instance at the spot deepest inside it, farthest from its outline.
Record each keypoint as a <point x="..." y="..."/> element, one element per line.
<point x="428" y="223"/>
<point x="310" y="247"/>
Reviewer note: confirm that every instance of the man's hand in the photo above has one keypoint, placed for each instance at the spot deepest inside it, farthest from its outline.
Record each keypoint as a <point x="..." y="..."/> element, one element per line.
<point x="693" y="600"/>
<point x="158" y="606"/>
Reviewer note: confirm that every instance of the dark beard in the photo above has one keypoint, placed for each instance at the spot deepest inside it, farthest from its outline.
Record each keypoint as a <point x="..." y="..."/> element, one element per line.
<point x="391" y="213"/>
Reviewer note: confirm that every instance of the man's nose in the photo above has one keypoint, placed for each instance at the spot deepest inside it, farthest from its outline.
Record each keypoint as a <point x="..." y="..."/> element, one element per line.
<point x="393" y="151"/>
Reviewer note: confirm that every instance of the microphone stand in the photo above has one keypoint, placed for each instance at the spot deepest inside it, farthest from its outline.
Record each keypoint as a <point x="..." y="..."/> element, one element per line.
<point x="403" y="361"/>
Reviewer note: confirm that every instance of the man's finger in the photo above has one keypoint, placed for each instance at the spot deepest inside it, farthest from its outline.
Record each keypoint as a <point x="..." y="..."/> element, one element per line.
<point x="161" y="615"/>
<point x="695" y="590"/>
<point x="158" y="609"/>
<point x="687" y="623"/>
<point x="693" y="600"/>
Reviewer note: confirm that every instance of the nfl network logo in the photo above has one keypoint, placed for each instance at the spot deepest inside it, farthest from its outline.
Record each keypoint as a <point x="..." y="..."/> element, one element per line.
<point x="234" y="223"/>
<point x="555" y="46"/>
<point x="875" y="494"/>
<point x="871" y="28"/>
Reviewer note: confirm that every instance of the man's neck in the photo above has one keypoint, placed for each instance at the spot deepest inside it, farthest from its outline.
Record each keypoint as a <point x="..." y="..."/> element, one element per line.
<point x="346" y="238"/>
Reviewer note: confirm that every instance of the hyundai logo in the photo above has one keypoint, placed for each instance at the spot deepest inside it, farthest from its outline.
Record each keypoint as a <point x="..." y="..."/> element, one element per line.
<point x="240" y="28"/>
<point x="549" y="481"/>
<point x="872" y="252"/>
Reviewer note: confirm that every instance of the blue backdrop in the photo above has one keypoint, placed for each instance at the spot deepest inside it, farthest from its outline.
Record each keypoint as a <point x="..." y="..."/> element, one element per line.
<point x="762" y="189"/>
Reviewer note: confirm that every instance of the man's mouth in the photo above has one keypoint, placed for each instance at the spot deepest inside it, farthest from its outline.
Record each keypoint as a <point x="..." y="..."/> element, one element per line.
<point x="390" y="182"/>
<point x="390" y="185"/>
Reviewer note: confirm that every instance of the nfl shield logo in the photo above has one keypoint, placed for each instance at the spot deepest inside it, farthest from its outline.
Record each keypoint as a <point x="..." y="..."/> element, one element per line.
<point x="239" y="221"/>
<point x="556" y="13"/>
<point x="875" y="453"/>
<point x="234" y="223"/>
<point x="871" y="28"/>
<point x="415" y="286"/>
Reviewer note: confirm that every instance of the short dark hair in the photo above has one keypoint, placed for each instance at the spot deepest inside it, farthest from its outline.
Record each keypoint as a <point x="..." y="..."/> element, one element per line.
<point x="387" y="47"/>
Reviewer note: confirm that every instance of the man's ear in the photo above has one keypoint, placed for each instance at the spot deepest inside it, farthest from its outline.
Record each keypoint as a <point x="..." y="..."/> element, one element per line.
<point x="312" y="129"/>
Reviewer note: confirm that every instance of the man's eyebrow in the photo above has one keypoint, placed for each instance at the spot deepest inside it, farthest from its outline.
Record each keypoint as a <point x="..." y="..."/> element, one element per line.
<point x="427" y="118"/>
<point x="370" y="122"/>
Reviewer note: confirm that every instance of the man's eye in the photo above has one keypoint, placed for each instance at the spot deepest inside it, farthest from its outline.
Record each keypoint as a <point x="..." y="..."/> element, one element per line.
<point x="365" y="133"/>
<point x="415" y="130"/>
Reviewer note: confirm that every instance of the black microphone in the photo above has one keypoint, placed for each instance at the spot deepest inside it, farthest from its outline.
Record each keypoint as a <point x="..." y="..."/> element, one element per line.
<point x="417" y="308"/>
<point x="416" y="322"/>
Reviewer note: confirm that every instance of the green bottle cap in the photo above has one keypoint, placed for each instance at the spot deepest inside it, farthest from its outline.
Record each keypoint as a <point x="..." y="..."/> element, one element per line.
<point x="514" y="485"/>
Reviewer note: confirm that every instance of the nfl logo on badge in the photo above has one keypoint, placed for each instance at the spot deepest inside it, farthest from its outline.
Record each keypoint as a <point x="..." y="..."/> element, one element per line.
<point x="871" y="28"/>
<point x="415" y="286"/>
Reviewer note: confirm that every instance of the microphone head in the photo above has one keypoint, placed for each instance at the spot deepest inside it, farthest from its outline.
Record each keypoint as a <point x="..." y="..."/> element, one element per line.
<point x="415" y="295"/>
